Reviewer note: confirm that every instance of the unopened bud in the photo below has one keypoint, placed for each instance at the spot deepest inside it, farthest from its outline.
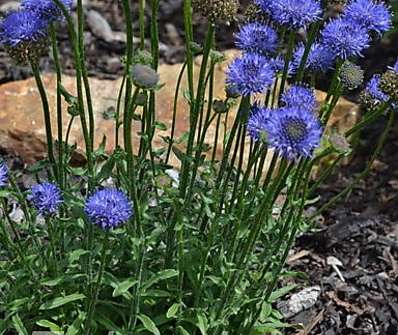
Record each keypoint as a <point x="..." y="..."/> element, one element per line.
<point x="144" y="76"/>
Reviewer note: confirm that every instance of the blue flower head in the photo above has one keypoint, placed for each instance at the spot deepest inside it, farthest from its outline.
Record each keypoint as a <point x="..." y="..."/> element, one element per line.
<point x="293" y="132"/>
<point x="373" y="89"/>
<point x="257" y="37"/>
<point x="278" y="64"/>
<point x="46" y="198"/>
<point x="292" y="13"/>
<point x="47" y="9"/>
<point x="320" y="58"/>
<point x="250" y="73"/>
<point x="346" y="38"/>
<point x="256" y="123"/>
<point x="299" y="97"/>
<point x="108" y="208"/>
<point x="3" y="174"/>
<point x="371" y="15"/>
<point x="22" y="27"/>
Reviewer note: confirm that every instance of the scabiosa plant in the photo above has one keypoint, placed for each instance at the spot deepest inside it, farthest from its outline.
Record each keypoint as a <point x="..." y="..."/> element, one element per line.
<point x="46" y="198"/>
<point x="108" y="208"/>
<point x="320" y="58"/>
<point x="373" y="89"/>
<point x="293" y="132"/>
<point x="3" y="174"/>
<point x="371" y="15"/>
<point x="257" y="37"/>
<point x="299" y="97"/>
<point x="47" y="9"/>
<point x="24" y="34"/>
<point x="292" y="13"/>
<point x="250" y="73"/>
<point x="346" y="38"/>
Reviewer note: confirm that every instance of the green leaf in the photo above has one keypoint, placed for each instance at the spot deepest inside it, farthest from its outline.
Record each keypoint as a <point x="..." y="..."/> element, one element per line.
<point x="202" y="323"/>
<point x="76" y="254"/>
<point x="61" y="301"/>
<point x="123" y="287"/>
<point x="148" y="324"/>
<point x="172" y="311"/>
<point x="160" y="125"/>
<point x="281" y="292"/>
<point x="48" y="324"/>
<point x="162" y="275"/>
<point x="75" y="327"/>
<point x="182" y="330"/>
<point x="18" y="325"/>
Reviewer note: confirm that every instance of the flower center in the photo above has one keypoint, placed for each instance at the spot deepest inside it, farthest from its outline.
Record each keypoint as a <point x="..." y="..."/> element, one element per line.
<point x="295" y="129"/>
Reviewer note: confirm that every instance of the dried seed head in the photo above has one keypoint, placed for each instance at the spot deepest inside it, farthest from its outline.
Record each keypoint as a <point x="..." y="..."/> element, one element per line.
<point x="26" y="52"/>
<point x="254" y="13"/>
<point x="351" y="75"/>
<point x="144" y="76"/>
<point x="217" y="10"/>
<point x="389" y="84"/>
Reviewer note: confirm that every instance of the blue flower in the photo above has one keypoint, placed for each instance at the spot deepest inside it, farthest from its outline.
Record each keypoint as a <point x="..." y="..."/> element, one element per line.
<point x="373" y="89"/>
<point x="22" y="27"/>
<point x="293" y="132"/>
<point x="47" y="9"/>
<point x="3" y="174"/>
<point x="46" y="198"/>
<point x="299" y="97"/>
<point x="292" y="13"/>
<point x="256" y="123"/>
<point x="278" y="64"/>
<point x="320" y="58"/>
<point x="108" y="208"/>
<point x="250" y="73"/>
<point x="345" y="38"/>
<point x="370" y="15"/>
<point x="257" y="37"/>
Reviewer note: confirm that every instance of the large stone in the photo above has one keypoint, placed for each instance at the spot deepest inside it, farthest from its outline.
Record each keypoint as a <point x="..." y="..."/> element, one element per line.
<point x="21" y="119"/>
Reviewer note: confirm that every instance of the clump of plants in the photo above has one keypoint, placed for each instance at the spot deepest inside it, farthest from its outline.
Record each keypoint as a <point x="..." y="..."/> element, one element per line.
<point x="134" y="244"/>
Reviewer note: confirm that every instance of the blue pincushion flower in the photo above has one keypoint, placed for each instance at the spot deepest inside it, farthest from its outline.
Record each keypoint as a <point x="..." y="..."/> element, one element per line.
<point x="278" y="64"/>
<point x="299" y="97"/>
<point x="320" y="58"/>
<point x="250" y="73"/>
<point x="371" y="15"/>
<point x="373" y="89"/>
<point x="47" y="9"/>
<point x="108" y="208"/>
<point x="257" y="37"/>
<point x="46" y="198"/>
<point x="256" y="123"/>
<point x="3" y="174"/>
<point x="292" y="13"/>
<point x="293" y="132"/>
<point x="346" y="38"/>
<point x="22" y="27"/>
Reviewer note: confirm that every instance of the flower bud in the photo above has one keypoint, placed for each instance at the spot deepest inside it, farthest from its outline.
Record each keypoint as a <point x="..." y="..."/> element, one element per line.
<point x="220" y="106"/>
<point x="231" y="92"/>
<point x="142" y="57"/>
<point x="351" y="75"/>
<point x="339" y="143"/>
<point x="144" y="76"/>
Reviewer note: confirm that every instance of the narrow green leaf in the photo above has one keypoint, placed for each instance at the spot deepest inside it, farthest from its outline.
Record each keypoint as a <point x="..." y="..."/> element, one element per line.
<point x="61" y="301"/>
<point x="172" y="311"/>
<point x="281" y="292"/>
<point x="18" y="325"/>
<point x="162" y="275"/>
<point x="48" y="324"/>
<point x="148" y="324"/>
<point x="123" y="287"/>
<point x="182" y="330"/>
<point x="75" y="327"/>
<point x="202" y="323"/>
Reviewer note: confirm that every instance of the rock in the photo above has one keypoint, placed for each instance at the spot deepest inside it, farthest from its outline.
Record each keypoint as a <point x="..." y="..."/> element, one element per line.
<point x="9" y="6"/>
<point x="21" y="120"/>
<point x="99" y="26"/>
<point x="299" y="302"/>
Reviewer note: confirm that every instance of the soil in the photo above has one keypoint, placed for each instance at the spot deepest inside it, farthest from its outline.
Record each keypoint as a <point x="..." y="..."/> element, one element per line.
<point x="361" y="231"/>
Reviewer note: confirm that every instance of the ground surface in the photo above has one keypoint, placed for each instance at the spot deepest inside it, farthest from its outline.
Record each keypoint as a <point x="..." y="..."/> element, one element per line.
<point x="362" y="231"/>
